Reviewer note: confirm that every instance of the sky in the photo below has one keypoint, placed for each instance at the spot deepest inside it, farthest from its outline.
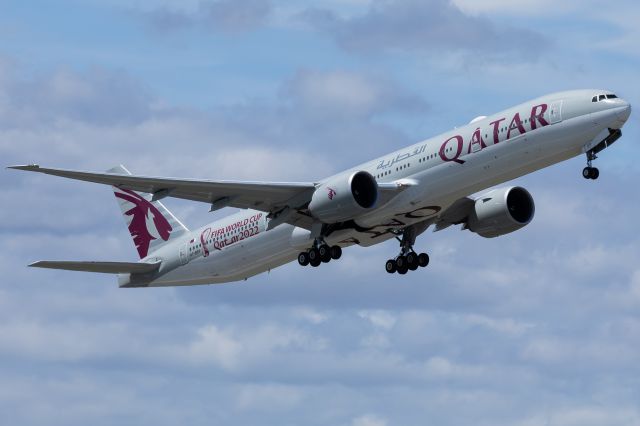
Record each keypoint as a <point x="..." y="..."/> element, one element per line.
<point x="539" y="327"/>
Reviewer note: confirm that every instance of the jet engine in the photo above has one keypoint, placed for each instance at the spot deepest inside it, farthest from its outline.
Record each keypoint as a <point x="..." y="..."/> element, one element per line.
<point x="344" y="197"/>
<point x="501" y="211"/>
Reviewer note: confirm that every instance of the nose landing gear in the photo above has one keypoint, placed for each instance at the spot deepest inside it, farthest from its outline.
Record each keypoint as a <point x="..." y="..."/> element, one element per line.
<point x="590" y="172"/>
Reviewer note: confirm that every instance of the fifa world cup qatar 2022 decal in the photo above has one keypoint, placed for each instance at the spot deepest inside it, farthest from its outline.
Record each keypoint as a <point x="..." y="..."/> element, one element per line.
<point x="147" y="222"/>
<point x="218" y="238"/>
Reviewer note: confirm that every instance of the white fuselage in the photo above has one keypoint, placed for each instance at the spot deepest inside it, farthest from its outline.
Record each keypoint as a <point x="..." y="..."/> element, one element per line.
<point x="486" y="152"/>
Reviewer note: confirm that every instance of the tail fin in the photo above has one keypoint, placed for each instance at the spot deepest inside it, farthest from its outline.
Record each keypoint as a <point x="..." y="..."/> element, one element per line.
<point x="150" y="223"/>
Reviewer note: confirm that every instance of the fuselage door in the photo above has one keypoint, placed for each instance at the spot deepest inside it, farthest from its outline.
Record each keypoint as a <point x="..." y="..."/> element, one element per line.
<point x="555" y="112"/>
<point x="184" y="259"/>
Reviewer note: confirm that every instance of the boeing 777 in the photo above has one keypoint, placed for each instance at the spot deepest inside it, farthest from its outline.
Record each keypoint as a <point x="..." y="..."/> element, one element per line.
<point x="399" y="195"/>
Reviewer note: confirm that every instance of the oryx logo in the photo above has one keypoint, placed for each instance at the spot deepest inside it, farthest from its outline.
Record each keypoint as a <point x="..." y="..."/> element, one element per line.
<point x="146" y="223"/>
<point x="332" y="193"/>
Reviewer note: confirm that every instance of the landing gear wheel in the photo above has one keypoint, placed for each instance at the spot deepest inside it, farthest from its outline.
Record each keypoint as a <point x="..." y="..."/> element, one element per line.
<point x="403" y="270"/>
<point x="423" y="259"/>
<point x="590" y="173"/>
<point x="401" y="263"/>
<point x="336" y="252"/>
<point x="303" y="258"/>
<point x="314" y="257"/>
<point x="390" y="266"/>
<point x="412" y="261"/>
<point x="325" y="253"/>
<point x="315" y="263"/>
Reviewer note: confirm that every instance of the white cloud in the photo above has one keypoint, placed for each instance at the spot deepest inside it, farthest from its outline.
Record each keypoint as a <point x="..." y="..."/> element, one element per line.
<point x="502" y="325"/>
<point x="339" y="93"/>
<point x="501" y="7"/>
<point x="369" y="420"/>
<point x="382" y="319"/>
<point x="586" y="416"/>
<point x="311" y="315"/>
<point x="239" y="348"/>
<point x="634" y="287"/>
<point x="217" y="346"/>
<point x="268" y="397"/>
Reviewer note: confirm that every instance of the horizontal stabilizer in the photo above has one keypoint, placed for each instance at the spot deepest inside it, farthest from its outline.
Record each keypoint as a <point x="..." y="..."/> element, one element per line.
<point x="102" y="267"/>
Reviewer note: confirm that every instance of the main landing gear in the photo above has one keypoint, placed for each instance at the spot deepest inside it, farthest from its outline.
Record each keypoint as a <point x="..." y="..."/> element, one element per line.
<point x="321" y="252"/>
<point x="409" y="262"/>
<point x="408" y="259"/>
<point x="590" y="172"/>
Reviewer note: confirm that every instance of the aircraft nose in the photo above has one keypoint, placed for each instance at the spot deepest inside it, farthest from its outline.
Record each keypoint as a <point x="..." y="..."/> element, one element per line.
<point x="625" y="112"/>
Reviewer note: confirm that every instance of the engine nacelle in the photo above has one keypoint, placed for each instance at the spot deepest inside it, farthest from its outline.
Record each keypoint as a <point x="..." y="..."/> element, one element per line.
<point x="501" y="211"/>
<point x="344" y="197"/>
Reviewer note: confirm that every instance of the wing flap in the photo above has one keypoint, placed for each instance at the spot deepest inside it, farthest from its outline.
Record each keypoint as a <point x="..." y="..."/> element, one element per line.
<point x="101" y="267"/>
<point x="455" y="214"/>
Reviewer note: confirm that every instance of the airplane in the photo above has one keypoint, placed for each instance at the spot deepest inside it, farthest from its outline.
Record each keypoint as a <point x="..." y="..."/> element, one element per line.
<point x="399" y="195"/>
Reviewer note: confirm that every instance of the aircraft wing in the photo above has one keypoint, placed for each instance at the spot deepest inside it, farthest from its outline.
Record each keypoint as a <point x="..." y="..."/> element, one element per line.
<point x="264" y="196"/>
<point x="103" y="267"/>
<point x="284" y="201"/>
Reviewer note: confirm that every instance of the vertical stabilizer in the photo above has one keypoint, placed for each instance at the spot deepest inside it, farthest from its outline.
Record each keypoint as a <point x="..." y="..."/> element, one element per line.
<point x="150" y="223"/>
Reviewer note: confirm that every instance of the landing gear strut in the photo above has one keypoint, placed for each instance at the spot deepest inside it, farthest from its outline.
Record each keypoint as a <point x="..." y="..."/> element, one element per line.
<point x="590" y="172"/>
<point x="408" y="259"/>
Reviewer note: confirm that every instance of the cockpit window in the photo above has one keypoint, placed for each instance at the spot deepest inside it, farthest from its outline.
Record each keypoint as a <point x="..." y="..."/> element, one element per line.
<point x="598" y="98"/>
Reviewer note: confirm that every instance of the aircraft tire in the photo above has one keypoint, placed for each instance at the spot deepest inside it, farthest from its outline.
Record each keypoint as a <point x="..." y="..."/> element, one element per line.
<point x="325" y="253"/>
<point x="315" y="263"/>
<point x="313" y="256"/>
<point x="590" y="173"/>
<point x="336" y="252"/>
<point x="390" y="266"/>
<point x="412" y="261"/>
<point x="303" y="258"/>
<point x="423" y="259"/>
<point x="402" y="270"/>
<point x="401" y="263"/>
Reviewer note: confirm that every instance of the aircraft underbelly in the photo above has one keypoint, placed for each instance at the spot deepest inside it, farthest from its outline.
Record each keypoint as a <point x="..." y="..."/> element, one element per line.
<point x="236" y="262"/>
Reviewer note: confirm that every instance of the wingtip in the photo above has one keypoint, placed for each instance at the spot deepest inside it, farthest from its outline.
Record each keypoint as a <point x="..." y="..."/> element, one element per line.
<point x="24" y="167"/>
<point x="35" y="264"/>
